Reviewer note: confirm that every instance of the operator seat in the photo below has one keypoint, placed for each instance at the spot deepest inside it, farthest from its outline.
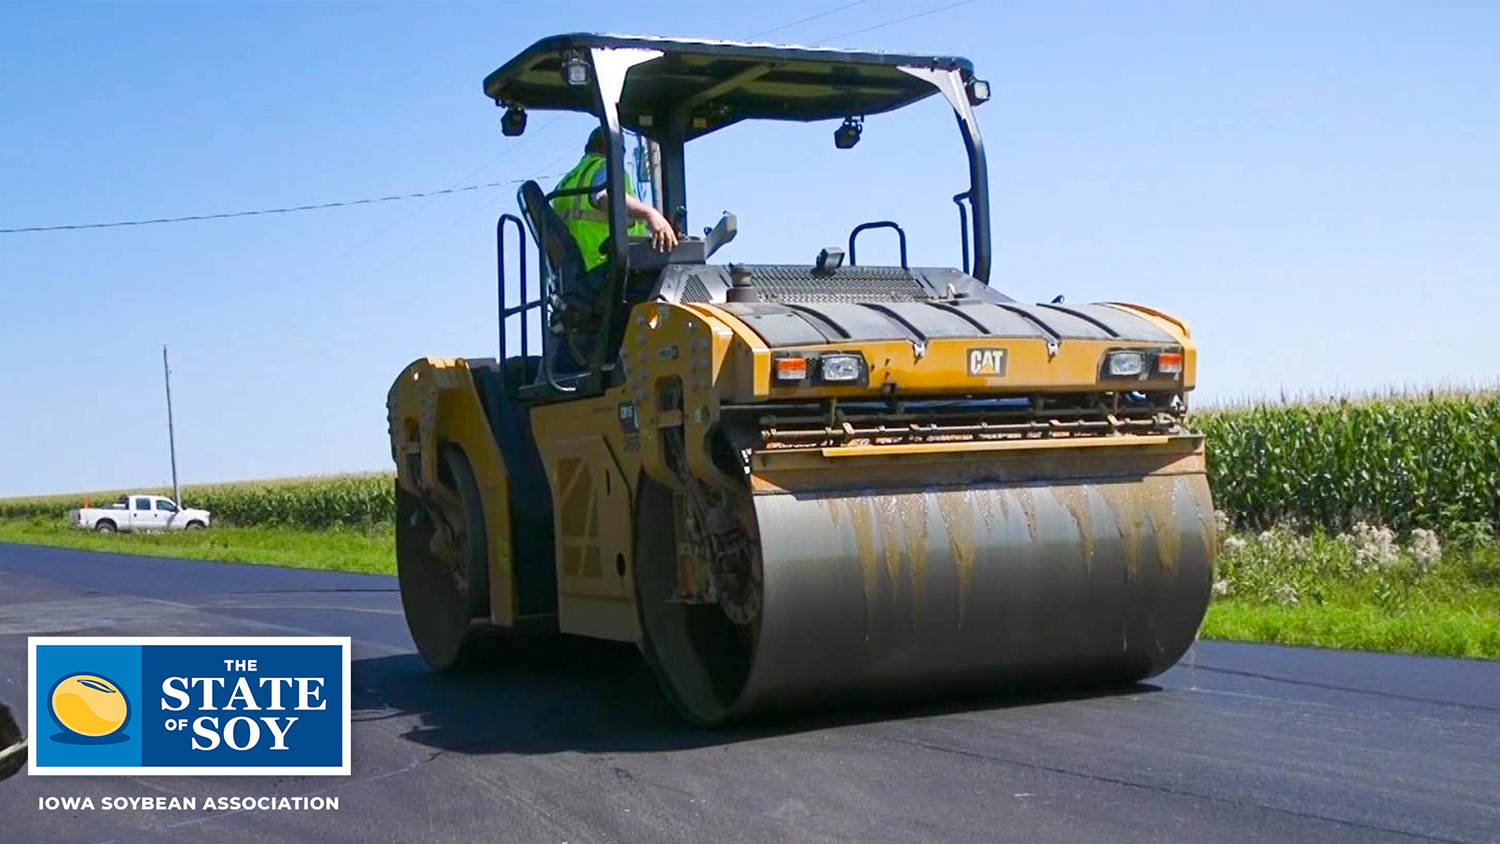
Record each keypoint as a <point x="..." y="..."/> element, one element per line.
<point x="559" y="249"/>
<point x="575" y="306"/>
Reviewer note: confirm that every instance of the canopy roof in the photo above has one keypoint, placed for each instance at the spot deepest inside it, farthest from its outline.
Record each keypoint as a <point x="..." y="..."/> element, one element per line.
<point x="720" y="81"/>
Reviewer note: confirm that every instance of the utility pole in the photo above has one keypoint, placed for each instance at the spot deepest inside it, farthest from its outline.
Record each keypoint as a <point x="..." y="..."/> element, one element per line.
<point x="171" y="435"/>
<point x="648" y="169"/>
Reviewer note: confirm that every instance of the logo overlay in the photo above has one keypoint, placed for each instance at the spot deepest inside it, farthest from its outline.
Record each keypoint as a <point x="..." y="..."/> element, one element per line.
<point x="204" y="706"/>
<point x="986" y="361"/>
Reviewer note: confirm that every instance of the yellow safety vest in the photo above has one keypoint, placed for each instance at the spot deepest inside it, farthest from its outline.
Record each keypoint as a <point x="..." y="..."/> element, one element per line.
<point x="589" y="225"/>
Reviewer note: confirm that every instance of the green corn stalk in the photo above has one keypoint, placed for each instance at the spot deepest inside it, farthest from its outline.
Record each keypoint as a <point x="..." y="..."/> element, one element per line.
<point x="1407" y="461"/>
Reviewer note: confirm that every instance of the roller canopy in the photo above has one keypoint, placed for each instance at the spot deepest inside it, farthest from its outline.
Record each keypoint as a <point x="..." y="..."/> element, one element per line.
<point x="726" y="81"/>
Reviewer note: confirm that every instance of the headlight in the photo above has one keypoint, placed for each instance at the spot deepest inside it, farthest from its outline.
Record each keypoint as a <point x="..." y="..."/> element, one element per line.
<point x="842" y="368"/>
<point x="1124" y="364"/>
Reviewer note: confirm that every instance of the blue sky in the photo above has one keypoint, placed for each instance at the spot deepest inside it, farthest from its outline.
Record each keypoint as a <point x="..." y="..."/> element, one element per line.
<point x="1315" y="187"/>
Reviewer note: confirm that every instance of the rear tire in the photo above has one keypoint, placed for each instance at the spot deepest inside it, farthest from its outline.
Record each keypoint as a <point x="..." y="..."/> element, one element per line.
<point x="443" y="614"/>
<point x="104" y="526"/>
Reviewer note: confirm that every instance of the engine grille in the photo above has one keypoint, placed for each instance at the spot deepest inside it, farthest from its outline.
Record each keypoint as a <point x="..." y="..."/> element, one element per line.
<point x="695" y="291"/>
<point x="848" y="284"/>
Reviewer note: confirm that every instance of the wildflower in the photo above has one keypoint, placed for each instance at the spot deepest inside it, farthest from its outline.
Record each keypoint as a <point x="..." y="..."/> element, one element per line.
<point x="1221" y="587"/>
<point x="1300" y="548"/>
<point x="1425" y="549"/>
<point x="1286" y="595"/>
<point x="1221" y="522"/>
<point x="1234" y="544"/>
<point x="1374" y="547"/>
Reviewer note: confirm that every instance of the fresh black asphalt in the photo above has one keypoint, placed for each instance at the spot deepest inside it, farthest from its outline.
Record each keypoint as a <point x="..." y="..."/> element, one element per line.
<point x="569" y="741"/>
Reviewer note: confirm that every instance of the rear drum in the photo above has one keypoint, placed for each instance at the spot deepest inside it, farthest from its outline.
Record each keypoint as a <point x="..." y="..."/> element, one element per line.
<point x="444" y="600"/>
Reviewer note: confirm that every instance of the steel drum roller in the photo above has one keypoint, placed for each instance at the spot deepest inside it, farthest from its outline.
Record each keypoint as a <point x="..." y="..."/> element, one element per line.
<point x="875" y="592"/>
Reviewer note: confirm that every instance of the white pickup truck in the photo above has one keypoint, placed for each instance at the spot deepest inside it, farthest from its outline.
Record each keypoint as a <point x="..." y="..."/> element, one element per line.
<point x="140" y="512"/>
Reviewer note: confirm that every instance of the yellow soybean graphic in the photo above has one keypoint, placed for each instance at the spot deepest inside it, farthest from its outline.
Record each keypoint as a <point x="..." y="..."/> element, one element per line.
<point x="89" y="705"/>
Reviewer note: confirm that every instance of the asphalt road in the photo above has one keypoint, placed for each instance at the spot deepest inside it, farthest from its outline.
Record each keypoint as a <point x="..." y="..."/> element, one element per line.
<point x="573" y="743"/>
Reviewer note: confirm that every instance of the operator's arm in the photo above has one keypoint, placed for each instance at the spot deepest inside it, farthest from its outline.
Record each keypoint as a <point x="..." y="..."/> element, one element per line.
<point x="663" y="237"/>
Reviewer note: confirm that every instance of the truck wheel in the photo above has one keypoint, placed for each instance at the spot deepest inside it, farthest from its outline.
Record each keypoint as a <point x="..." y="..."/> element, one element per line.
<point x="104" y="526"/>
<point x="445" y="601"/>
<point x="195" y="525"/>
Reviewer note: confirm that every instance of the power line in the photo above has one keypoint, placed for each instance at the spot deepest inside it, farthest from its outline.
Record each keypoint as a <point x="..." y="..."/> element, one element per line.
<point x="900" y="20"/>
<point x="226" y="215"/>
<point x="393" y="260"/>
<point x="507" y="150"/>
<point x="822" y="14"/>
<point x="510" y="148"/>
<point x="434" y="194"/>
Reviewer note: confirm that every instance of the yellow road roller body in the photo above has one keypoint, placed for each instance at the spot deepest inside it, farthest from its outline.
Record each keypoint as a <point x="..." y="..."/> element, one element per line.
<point x="793" y="485"/>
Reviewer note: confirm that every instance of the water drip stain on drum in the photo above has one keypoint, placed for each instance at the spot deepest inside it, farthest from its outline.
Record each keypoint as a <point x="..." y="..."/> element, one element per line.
<point x="959" y="521"/>
<point x="891" y="538"/>
<point x="864" y="538"/>
<point x="914" y="538"/>
<point x="1028" y="507"/>
<point x="1076" y="502"/>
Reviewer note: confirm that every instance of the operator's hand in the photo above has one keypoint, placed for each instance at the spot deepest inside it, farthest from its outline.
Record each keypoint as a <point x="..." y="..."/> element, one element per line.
<point x="663" y="237"/>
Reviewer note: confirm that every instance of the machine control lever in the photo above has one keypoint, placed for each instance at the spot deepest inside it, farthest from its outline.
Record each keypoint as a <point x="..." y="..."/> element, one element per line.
<point x="721" y="234"/>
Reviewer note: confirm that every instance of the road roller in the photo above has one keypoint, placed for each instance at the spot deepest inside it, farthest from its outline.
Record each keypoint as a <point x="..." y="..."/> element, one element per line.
<point x="793" y="484"/>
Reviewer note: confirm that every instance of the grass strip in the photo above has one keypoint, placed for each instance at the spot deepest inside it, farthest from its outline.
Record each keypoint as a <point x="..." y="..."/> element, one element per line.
<point x="368" y="550"/>
<point x="1422" y="627"/>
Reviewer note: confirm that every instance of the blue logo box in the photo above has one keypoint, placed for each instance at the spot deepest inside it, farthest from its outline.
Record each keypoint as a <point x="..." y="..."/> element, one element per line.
<point x="202" y="706"/>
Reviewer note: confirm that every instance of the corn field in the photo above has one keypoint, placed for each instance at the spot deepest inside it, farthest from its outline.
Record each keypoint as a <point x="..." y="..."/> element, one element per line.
<point x="1407" y="462"/>
<point x="314" y="502"/>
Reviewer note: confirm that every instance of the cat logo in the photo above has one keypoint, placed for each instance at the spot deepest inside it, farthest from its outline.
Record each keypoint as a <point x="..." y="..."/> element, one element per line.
<point x="987" y="362"/>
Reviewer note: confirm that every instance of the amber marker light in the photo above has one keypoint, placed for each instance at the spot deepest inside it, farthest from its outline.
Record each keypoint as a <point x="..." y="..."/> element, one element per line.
<point x="791" y="369"/>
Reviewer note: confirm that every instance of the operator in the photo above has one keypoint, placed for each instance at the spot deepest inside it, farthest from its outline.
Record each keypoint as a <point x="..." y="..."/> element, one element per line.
<point x="587" y="217"/>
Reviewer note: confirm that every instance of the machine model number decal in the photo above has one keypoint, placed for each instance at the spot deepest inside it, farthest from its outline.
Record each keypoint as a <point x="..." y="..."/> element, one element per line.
<point x="987" y="362"/>
<point x="628" y="422"/>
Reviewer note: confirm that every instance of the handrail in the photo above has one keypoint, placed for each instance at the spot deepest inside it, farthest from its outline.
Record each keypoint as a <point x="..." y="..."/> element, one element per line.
<point x="507" y="311"/>
<point x="963" y="225"/>
<point x="878" y="224"/>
